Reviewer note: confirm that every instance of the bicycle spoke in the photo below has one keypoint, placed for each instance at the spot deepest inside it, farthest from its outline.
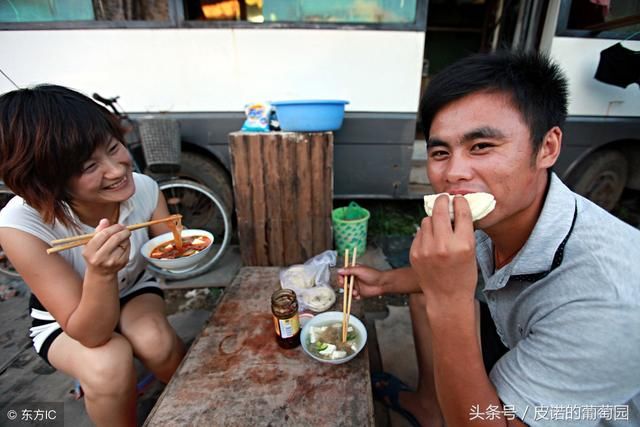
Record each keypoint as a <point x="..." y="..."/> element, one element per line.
<point x="200" y="209"/>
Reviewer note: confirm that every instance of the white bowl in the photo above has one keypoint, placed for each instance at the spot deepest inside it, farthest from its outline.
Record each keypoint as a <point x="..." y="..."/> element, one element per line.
<point x="178" y="264"/>
<point x="333" y="317"/>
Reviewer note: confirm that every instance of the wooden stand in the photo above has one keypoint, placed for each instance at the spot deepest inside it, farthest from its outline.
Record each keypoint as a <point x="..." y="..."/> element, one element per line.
<point x="283" y="187"/>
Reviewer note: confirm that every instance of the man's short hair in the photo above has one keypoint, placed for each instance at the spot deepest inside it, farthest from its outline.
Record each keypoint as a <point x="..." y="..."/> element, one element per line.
<point x="536" y="85"/>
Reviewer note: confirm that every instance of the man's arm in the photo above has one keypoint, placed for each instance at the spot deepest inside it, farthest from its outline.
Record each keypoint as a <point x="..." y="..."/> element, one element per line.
<point x="370" y="282"/>
<point x="443" y="257"/>
<point x="459" y="372"/>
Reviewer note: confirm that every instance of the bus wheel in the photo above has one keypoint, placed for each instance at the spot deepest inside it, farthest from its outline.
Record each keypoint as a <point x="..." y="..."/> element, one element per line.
<point x="198" y="168"/>
<point x="601" y="177"/>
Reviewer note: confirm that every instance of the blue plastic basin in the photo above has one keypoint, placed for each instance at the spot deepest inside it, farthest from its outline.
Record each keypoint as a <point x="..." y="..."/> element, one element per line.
<point x="311" y="115"/>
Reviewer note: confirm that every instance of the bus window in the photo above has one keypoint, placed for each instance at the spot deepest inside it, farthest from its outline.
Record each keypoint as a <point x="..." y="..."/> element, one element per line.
<point x="618" y="17"/>
<point x="311" y="11"/>
<point x="83" y="10"/>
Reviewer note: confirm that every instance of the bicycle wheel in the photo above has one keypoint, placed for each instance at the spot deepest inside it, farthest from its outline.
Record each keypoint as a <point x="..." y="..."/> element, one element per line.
<point x="5" y="265"/>
<point x="200" y="208"/>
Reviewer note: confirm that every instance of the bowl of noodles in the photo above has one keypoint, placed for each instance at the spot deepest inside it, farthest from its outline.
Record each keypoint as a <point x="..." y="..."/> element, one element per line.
<point x="163" y="252"/>
<point x="321" y="338"/>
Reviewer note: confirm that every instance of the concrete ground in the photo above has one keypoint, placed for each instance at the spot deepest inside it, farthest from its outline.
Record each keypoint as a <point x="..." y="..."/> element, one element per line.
<point x="25" y="377"/>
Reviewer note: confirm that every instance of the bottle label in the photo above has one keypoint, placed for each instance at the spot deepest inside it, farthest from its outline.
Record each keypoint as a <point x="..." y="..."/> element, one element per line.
<point x="288" y="327"/>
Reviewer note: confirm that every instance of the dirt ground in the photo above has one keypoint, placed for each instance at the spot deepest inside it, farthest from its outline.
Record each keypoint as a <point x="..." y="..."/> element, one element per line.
<point x="394" y="246"/>
<point x="179" y="300"/>
<point x="396" y="250"/>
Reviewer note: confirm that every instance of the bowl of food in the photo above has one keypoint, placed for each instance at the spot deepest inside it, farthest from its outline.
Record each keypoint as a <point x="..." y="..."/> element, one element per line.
<point x="163" y="252"/>
<point x="321" y="338"/>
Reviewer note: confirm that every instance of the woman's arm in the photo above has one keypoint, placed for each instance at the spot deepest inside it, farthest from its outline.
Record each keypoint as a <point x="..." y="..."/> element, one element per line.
<point x="86" y="308"/>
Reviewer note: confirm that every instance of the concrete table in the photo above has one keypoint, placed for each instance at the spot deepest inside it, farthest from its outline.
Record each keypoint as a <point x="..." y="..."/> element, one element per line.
<point x="236" y="375"/>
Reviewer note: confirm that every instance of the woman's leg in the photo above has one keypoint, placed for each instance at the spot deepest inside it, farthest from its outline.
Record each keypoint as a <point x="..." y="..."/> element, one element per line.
<point x="144" y="323"/>
<point x="106" y="374"/>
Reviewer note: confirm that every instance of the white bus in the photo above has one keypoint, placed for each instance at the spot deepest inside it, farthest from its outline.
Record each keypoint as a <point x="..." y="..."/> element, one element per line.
<point x="601" y="152"/>
<point x="201" y="61"/>
<point x="601" y="145"/>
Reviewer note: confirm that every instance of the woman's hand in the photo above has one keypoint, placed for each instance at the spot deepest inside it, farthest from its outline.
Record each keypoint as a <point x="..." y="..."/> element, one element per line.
<point x="367" y="281"/>
<point x="108" y="251"/>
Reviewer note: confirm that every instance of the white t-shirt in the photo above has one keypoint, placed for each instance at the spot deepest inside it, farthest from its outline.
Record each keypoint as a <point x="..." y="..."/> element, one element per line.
<point x="138" y="208"/>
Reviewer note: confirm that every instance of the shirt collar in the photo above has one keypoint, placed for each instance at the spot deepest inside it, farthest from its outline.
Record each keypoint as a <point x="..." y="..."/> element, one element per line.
<point x="126" y="208"/>
<point x="539" y="254"/>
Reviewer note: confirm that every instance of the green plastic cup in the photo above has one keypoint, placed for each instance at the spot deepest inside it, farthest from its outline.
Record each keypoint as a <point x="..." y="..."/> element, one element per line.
<point x="350" y="228"/>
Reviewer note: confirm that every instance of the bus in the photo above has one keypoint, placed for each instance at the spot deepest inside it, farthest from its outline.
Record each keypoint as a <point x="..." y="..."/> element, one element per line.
<point x="202" y="61"/>
<point x="594" y="42"/>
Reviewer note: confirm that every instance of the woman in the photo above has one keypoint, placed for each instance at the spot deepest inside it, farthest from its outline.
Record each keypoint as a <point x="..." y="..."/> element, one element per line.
<point x="93" y="307"/>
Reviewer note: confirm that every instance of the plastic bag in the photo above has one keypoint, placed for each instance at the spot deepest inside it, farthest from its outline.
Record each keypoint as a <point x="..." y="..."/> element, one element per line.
<point x="258" y="115"/>
<point x="311" y="282"/>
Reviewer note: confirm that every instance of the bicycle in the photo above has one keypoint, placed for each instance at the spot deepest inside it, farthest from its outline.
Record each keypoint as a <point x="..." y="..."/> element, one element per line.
<point x="200" y="207"/>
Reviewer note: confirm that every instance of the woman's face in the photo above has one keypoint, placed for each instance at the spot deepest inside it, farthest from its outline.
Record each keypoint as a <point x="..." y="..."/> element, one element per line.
<point x="106" y="177"/>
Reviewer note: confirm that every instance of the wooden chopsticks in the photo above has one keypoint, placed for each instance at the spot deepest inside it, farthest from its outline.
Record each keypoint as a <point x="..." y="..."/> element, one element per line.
<point x="348" y="293"/>
<point x="73" y="241"/>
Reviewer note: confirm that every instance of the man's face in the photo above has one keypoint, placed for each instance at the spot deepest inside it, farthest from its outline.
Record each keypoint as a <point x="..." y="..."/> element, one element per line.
<point x="481" y="143"/>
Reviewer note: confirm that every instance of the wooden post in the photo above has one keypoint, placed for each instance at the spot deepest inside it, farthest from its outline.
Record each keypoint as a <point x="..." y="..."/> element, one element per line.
<point x="283" y="188"/>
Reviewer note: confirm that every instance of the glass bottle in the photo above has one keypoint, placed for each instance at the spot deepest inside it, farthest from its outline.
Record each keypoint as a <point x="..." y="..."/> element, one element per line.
<point x="284" y="306"/>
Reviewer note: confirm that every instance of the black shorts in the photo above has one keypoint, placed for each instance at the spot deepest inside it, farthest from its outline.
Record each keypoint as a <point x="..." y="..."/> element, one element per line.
<point x="492" y="347"/>
<point x="46" y="344"/>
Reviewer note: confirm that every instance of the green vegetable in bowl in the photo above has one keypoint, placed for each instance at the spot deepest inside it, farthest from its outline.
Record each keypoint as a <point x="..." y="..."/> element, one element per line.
<point x="325" y="341"/>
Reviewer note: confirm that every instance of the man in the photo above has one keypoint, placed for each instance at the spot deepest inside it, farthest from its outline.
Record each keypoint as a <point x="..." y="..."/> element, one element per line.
<point x="557" y="334"/>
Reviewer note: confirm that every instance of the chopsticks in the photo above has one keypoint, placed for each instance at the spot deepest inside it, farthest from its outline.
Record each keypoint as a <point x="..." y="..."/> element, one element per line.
<point x="348" y="293"/>
<point x="74" y="241"/>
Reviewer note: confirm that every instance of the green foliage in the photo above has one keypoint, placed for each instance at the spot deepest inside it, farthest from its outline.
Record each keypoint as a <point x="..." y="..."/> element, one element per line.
<point x="393" y="217"/>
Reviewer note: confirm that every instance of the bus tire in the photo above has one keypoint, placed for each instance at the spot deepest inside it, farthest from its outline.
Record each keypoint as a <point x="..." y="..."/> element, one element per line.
<point x="198" y="168"/>
<point x="601" y="177"/>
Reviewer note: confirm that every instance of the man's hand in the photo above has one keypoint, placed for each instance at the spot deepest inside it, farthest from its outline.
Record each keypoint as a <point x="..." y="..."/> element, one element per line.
<point x="443" y="254"/>
<point x="367" y="281"/>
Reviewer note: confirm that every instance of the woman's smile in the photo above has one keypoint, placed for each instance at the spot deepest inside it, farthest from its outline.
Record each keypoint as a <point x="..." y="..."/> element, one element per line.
<point x="118" y="185"/>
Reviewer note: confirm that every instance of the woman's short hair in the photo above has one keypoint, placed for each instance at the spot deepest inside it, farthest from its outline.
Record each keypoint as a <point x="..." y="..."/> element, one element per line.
<point x="47" y="133"/>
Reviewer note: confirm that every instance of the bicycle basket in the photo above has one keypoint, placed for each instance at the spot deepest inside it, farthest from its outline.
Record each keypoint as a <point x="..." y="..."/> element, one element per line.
<point x="160" y="144"/>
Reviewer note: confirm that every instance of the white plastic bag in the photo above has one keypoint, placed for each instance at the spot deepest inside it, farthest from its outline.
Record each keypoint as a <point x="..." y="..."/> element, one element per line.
<point x="311" y="282"/>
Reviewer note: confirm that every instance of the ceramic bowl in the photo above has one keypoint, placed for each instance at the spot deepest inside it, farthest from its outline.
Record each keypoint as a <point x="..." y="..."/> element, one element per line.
<point x="331" y="317"/>
<point x="177" y="264"/>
